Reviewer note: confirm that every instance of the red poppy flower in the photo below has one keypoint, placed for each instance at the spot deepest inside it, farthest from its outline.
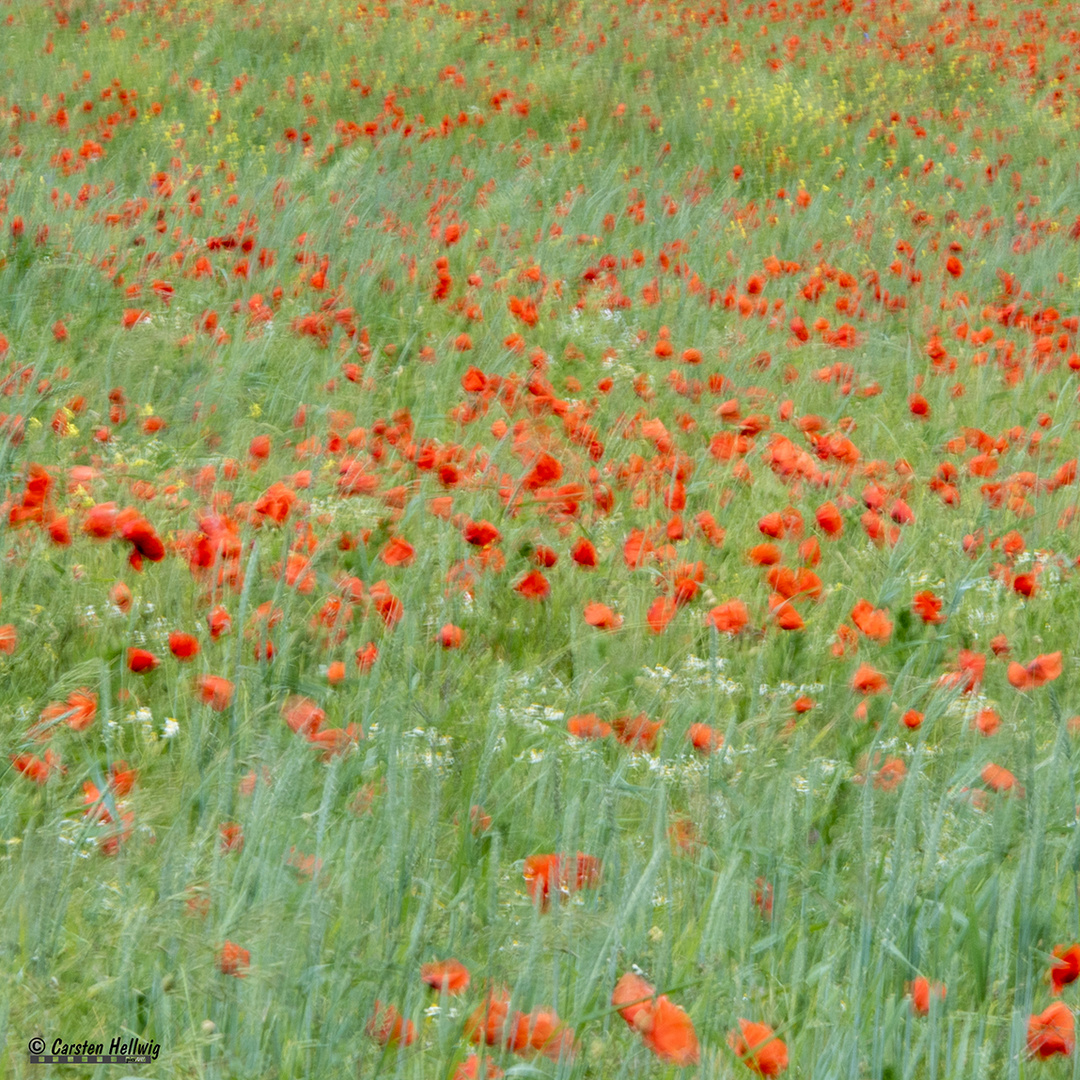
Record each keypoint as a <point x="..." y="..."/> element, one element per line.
<point x="78" y="712"/>
<point x="109" y="842"/>
<point x="772" y="525"/>
<point x="398" y="552"/>
<point x="730" y="617"/>
<point x="800" y="584"/>
<point x="275" y="504"/>
<point x="637" y="732"/>
<point x="100" y="521"/>
<point x="631" y="996"/>
<point x="121" y="778"/>
<point x="829" y="519"/>
<point x="450" y="976"/>
<point x="37" y="769"/>
<point x="215" y="691"/>
<point x="138" y="532"/>
<point x="141" y="661"/>
<point x="661" y="611"/>
<point x="705" y="739"/>
<point x="784" y="612"/>
<point x="868" y="680"/>
<point x="920" y="990"/>
<point x="873" y="623"/>
<point x="481" y="533"/>
<point x="546" y="470"/>
<point x="544" y="556"/>
<point x="470" y="1069"/>
<point x="971" y="666"/>
<point x="120" y="595"/>
<point x="668" y="1032"/>
<point x="1066" y="968"/>
<point x="584" y="553"/>
<point x="890" y="776"/>
<point x="234" y="960"/>
<point x="999" y="779"/>
<point x="541" y="1031"/>
<point x="451" y="637"/>
<point x="1053" y="1031"/>
<point x="760" y="1050"/>
<point x="559" y="874"/>
<point x="602" y="617"/>
<point x="388" y="1027"/>
<point x="302" y="715"/>
<point x="588" y="726"/>
<point x="481" y="821"/>
<point x="1042" y="669"/>
<point x="533" y="586"/>
<point x="183" y="646"/>
<point x="232" y="837"/>
<point x="387" y="606"/>
<point x="928" y="607"/>
<point x="764" y="555"/>
<point x="763" y="897"/>
<point x="335" y="740"/>
<point x="488" y="1022"/>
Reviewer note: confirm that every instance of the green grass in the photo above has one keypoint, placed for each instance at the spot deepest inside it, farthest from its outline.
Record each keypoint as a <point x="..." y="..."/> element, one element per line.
<point x="574" y="203"/>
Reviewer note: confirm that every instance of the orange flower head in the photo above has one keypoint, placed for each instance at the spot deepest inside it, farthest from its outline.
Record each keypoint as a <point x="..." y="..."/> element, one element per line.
<point x="543" y="1032"/>
<point x="873" y="623"/>
<point x="602" y="617"/>
<point x="637" y="732"/>
<point x="302" y="715"/>
<point x="1066" y="968"/>
<point x="533" y="586"/>
<point x="388" y="1027"/>
<point x="928" y="607"/>
<point x="1041" y="670"/>
<point x="912" y="719"/>
<point x="183" y="646"/>
<point x="588" y="726"/>
<point x="704" y="738"/>
<point x="920" y="990"/>
<point x="631" y="996"/>
<point x="450" y="976"/>
<point x="998" y="778"/>
<point x="868" y="680"/>
<point x="450" y="636"/>
<point x="760" y="1050"/>
<point x="730" y="617"/>
<point x="668" y="1032"/>
<point x="141" y="661"/>
<point x="1052" y="1031"/>
<point x="891" y="775"/>
<point x="234" y="960"/>
<point x="215" y="691"/>
<point x="398" y="552"/>
<point x="558" y="874"/>
<point x="488" y="1022"/>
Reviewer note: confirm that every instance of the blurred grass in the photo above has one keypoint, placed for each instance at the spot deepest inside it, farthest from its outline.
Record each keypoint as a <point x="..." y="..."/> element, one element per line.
<point x="870" y="888"/>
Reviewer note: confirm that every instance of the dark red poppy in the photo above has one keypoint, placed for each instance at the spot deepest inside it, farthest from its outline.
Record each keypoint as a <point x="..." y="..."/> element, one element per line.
<point x="140" y="661"/>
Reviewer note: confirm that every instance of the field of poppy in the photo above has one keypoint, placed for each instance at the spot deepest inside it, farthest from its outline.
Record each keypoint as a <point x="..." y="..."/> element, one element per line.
<point x="541" y="539"/>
